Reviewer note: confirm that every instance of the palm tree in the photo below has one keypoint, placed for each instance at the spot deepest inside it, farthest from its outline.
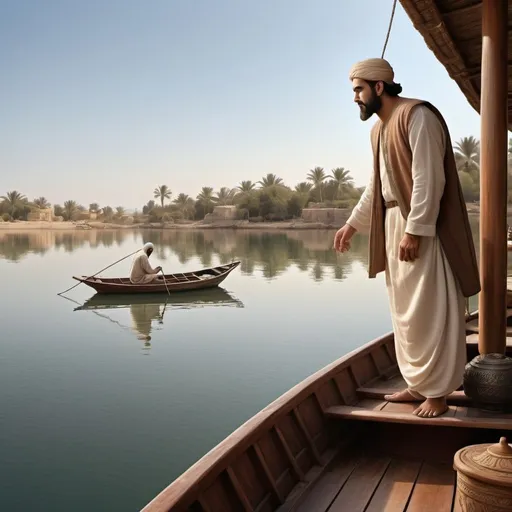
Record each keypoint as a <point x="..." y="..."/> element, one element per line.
<point x="342" y="179"/>
<point x="467" y="154"/>
<point x="317" y="177"/>
<point x="94" y="207"/>
<point x="303" y="187"/>
<point x="162" y="192"/>
<point x="14" y="200"/>
<point x="185" y="204"/>
<point x="270" y="180"/>
<point x="206" y="198"/>
<point x="246" y="186"/>
<point x="225" y="196"/>
<point x="119" y="211"/>
<point x="107" y="211"/>
<point x="41" y="202"/>
<point x="148" y="207"/>
<point x="70" y="208"/>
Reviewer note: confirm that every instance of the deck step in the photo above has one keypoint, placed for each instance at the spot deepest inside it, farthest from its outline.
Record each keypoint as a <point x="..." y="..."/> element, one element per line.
<point x="378" y="393"/>
<point x="462" y="417"/>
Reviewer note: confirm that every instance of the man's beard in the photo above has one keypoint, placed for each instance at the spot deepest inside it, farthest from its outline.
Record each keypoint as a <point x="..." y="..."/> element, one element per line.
<point x="372" y="107"/>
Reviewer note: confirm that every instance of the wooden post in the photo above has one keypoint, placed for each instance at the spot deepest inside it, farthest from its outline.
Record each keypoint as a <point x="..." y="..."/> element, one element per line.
<point x="493" y="178"/>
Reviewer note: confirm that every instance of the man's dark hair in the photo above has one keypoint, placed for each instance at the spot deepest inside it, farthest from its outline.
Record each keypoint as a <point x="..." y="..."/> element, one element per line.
<point x="390" y="89"/>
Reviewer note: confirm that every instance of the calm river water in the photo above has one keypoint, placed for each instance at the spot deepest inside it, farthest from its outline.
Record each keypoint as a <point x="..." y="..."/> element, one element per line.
<point x="93" y="416"/>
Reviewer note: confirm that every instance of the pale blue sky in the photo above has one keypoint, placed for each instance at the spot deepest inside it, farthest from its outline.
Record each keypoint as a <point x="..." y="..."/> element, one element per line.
<point x="102" y="100"/>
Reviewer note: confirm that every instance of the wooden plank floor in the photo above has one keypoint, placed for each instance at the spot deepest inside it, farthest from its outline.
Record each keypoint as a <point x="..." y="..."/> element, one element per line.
<point x="368" y="483"/>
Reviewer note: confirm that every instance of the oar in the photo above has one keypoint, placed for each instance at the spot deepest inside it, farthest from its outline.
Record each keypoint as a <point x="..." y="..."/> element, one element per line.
<point x="99" y="272"/>
<point x="163" y="275"/>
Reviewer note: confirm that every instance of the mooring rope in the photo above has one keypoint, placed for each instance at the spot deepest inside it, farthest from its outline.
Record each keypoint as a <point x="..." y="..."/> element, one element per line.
<point x="389" y="29"/>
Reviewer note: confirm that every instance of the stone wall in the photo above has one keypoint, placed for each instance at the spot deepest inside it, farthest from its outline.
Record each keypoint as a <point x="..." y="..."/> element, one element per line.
<point x="41" y="214"/>
<point x="331" y="216"/>
<point x="221" y="214"/>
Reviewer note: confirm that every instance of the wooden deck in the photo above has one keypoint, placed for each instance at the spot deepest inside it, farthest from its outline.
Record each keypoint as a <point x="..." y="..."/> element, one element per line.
<point x="397" y="464"/>
<point x="332" y="443"/>
<point x="379" y="475"/>
<point x="383" y="484"/>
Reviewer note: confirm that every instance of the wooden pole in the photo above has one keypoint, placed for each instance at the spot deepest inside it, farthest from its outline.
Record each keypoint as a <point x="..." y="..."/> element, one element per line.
<point x="165" y="282"/>
<point x="493" y="178"/>
<point x="99" y="271"/>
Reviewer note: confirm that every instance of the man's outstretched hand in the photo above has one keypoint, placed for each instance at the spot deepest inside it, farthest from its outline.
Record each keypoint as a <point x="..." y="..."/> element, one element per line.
<point x="342" y="238"/>
<point x="409" y="248"/>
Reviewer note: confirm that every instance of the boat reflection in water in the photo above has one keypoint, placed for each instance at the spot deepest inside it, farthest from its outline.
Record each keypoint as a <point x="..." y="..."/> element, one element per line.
<point x="147" y="309"/>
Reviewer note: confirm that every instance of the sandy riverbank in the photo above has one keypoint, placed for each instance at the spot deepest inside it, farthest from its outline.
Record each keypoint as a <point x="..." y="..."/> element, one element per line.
<point x="262" y="226"/>
<point x="67" y="226"/>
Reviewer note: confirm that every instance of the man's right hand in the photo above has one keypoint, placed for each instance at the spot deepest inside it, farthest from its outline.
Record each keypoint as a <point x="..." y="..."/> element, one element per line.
<point x="342" y="238"/>
<point x="158" y="269"/>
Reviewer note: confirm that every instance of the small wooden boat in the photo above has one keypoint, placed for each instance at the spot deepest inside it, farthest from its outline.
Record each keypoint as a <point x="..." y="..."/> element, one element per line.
<point x="199" y="279"/>
<point x="332" y="443"/>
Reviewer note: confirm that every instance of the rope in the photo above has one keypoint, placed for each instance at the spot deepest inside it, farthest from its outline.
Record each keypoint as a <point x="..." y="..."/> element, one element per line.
<point x="389" y="29"/>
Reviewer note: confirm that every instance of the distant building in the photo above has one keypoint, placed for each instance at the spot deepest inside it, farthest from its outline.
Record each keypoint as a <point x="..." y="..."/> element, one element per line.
<point x="41" y="214"/>
<point x="221" y="214"/>
<point x="330" y="216"/>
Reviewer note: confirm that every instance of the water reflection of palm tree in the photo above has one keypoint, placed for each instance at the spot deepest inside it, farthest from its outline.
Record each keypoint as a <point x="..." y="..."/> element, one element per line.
<point x="268" y="253"/>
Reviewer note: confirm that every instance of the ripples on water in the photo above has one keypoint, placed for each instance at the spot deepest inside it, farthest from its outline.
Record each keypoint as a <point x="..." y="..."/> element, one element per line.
<point x="85" y="420"/>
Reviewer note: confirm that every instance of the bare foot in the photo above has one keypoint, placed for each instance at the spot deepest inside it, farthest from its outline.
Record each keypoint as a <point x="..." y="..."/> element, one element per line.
<point x="432" y="407"/>
<point x="404" y="396"/>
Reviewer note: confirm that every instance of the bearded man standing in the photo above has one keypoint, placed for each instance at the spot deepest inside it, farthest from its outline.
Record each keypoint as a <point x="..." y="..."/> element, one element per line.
<point x="419" y="235"/>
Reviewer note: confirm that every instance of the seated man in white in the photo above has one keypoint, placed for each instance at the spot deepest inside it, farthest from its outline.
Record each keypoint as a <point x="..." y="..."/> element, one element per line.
<point x="142" y="272"/>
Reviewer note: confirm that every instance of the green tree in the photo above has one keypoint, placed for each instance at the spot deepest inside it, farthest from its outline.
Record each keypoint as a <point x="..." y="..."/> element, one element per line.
<point x="162" y="192"/>
<point x="225" y="196"/>
<point x="41" y="203"/>
<point x="303" y="187"/>
<point x="185" y="205"/>
<point x="148" y="207"/>
<point x="343" y="181"/>
<point x="270" y="180"/>
<point x="58" y="210"/>
<point x="14" y="202"/>
<point x="470" y="190"/>
<point x="246" y="186"/>
<point x="70" y="209"/>
<point x="467" y="155"/>
<point x="205" y="202"/>
<point x="317" y="177"/>
<point x="108" y="212"/>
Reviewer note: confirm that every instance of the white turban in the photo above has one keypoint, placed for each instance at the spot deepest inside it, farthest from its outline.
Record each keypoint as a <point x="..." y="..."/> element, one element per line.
<point x="147" y="246"/>
<point x="373" y="70"/>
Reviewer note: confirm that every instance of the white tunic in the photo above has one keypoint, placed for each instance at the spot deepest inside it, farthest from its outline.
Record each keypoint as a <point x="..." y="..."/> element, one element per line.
<point x="142" y="272"/>
<point x="426" y="302"/>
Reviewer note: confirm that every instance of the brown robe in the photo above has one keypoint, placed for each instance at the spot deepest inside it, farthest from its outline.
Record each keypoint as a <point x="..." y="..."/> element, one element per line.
<point x="453" y="227"/>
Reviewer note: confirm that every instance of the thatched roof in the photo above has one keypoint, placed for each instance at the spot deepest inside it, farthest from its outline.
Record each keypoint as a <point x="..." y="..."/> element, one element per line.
<point x="452" y="29"/>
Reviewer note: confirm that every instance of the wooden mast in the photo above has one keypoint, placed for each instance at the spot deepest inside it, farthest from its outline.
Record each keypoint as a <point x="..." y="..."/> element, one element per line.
<point x="493" y="177"/>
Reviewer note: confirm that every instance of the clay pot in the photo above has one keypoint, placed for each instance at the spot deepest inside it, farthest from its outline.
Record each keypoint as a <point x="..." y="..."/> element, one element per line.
<point x="488" y="381"/>
<point x="484" y="477"/>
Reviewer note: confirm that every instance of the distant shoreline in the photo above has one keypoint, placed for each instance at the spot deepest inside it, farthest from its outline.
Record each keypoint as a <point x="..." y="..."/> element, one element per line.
<point x="192" y="226"/>
<point x="196" y="226"/>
